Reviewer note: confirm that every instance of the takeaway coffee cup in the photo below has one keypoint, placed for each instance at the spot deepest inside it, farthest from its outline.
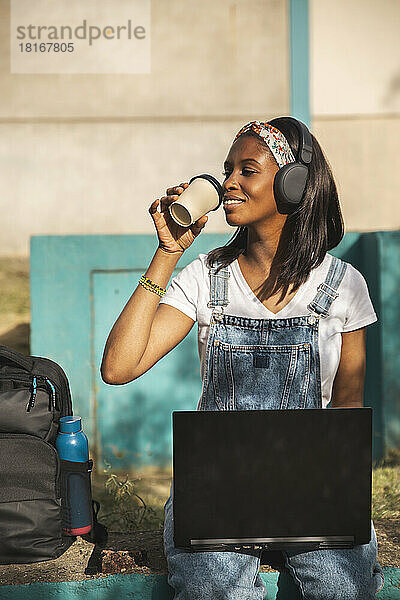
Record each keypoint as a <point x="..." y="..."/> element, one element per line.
<point x="203" y="194"/>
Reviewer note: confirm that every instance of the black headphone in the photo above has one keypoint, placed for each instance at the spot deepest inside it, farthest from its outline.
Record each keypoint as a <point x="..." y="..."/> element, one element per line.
<point x="290" y="180"/>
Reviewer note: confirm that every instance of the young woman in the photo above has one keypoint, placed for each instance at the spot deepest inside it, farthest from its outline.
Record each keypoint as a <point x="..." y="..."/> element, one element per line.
<point x="275" y="286"/>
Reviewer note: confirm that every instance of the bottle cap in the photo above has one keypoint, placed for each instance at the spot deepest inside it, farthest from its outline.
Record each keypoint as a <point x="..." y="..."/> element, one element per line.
<point x="70" y="424"/>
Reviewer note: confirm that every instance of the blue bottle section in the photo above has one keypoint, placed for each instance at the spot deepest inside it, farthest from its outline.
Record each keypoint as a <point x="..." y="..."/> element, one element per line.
<point x="73" y="451"/>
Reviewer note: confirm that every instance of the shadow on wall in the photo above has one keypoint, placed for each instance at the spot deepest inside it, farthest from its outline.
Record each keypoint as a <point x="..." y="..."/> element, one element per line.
<point x="376" y="256"/>
<point x="17" y="338"/>
<point x="143" y="435"/>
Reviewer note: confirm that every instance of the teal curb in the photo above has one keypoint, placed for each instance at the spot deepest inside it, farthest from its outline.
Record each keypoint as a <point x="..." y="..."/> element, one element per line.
<point x="155" y="587"/>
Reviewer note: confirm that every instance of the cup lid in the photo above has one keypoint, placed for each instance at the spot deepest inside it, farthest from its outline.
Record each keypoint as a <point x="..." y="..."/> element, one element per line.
<point x="215" y="183"/>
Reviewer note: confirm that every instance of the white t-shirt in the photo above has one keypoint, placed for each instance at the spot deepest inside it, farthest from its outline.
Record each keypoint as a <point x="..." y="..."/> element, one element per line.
<point x="189" y="291"/>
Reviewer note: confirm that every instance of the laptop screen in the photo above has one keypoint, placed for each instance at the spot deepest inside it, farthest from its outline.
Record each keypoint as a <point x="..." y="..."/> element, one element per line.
<point x="272" y="474"/>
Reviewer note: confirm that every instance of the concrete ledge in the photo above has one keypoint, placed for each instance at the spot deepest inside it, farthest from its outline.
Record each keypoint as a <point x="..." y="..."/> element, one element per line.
<point x="155" y="587"/>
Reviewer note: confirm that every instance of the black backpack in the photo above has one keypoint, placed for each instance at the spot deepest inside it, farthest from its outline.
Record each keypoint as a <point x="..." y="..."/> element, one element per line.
<point x="34" y="394"/>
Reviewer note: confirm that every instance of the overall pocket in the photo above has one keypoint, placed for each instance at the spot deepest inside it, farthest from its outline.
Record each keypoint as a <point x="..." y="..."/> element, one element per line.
<point x="261" y="377"/>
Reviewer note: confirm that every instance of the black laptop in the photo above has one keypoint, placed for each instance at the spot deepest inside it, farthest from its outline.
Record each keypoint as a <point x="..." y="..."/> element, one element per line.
<point x="272" y="479"/>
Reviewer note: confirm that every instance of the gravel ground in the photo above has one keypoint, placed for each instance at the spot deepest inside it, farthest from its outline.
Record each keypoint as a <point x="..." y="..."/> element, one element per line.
<point x="71" y="565"/>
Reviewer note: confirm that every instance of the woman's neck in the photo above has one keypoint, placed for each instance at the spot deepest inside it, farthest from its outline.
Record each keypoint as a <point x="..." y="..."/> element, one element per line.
<point x="261" y="248"/>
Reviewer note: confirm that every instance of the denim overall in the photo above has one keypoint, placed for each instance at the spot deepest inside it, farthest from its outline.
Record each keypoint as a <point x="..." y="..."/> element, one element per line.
<point x="258" y="364"/>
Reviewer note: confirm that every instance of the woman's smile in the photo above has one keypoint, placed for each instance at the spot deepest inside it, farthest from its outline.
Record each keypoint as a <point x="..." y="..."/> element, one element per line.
<point x="231" y="202"/>
<point x="249" y="173"/>
<point x="228" y="206"/>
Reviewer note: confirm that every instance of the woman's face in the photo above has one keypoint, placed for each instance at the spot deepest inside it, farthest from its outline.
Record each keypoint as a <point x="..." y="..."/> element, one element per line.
<point x="249" y="176"/>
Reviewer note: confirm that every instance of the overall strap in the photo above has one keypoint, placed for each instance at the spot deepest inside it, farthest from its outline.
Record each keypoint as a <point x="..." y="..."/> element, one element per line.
<point x="218" y="287"/>
<point x="327" y="291"/>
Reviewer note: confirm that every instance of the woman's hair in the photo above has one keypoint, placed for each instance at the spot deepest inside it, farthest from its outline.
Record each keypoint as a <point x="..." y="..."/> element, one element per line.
<point x="315" y="227"/>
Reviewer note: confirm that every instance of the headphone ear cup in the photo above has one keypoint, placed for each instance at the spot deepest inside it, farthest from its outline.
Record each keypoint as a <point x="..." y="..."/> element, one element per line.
<point x="289" y="185"/>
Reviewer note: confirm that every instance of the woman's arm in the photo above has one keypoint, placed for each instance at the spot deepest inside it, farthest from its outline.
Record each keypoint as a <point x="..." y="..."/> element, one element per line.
<point x="142" y="320"/>
<point x="348" y="386"/>
<point x="145" y="331"/>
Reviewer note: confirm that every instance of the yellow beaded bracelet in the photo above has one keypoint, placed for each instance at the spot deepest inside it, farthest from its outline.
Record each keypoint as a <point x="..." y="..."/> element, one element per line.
<point x="148" y="284"/>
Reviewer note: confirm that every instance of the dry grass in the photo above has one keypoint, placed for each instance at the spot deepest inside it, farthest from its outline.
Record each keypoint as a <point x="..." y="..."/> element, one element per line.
<point x="386" y="487"/>
<point x="132" y="501"/>
<point x="14" y="303"/>
<point x="14" y="286"/>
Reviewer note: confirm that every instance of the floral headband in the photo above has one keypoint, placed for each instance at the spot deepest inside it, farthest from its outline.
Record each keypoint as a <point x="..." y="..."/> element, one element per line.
<point x="274" y="139"/>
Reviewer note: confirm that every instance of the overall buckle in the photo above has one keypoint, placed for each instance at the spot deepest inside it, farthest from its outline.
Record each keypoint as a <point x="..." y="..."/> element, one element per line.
<point x="324" y="287"/>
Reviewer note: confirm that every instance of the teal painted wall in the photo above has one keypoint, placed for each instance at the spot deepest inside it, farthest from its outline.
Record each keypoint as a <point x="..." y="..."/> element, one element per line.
<point x="79" y="285"/>
<point x="377" y="256"/>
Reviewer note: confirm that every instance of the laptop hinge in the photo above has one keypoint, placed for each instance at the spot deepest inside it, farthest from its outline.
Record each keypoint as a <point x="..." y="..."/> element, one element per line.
<point x="318" y="538"/>
<point x="334" y="541"/>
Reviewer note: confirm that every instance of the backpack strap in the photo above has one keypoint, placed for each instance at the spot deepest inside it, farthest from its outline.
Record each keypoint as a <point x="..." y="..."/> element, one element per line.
<point x="20" y="360"/>
<point x="98" y="535"/>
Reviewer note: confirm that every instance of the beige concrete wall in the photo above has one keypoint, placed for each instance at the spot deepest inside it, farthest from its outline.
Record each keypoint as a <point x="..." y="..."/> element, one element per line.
<point x="365" y="160"/>
<point x="89" y="153"/>
<point x="355" y="57"/>
<point x="200" y="61"/>
<point x="80" y="178"/>
<point x="355" y="105"/>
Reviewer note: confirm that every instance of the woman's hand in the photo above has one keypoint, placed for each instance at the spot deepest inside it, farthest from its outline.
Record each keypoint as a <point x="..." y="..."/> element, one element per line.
<point x="172" y="237"/>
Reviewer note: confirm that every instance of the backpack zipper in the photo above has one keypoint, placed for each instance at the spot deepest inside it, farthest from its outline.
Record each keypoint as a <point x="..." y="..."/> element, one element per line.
<point x="35" y="380"/>
<point x="59" y="373"/>
<point x="53" y="392"/>
<point x="32" y="399"/>
<point x="28" y="364"/>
